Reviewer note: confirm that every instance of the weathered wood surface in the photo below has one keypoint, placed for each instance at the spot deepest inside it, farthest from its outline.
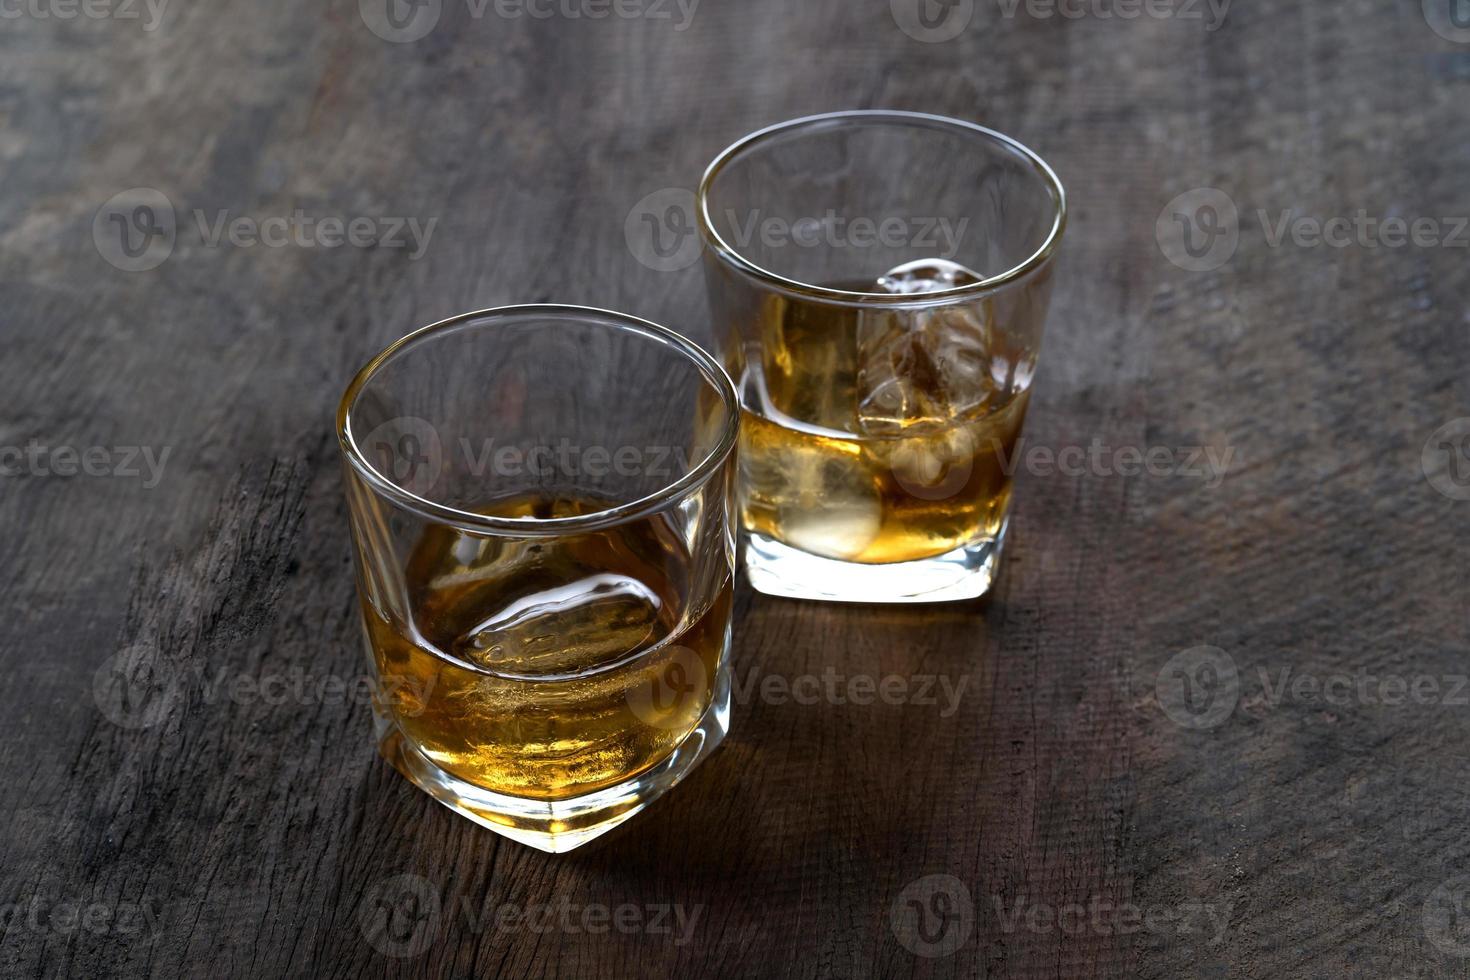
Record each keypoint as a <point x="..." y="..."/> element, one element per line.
<point x="245" y="835"/>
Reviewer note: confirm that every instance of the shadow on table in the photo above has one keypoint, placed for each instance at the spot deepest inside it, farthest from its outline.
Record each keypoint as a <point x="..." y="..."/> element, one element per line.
<point x="850" y="766"/>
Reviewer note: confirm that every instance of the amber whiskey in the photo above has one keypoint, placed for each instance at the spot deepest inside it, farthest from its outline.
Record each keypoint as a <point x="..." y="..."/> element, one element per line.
<point x="879" y="435"/>
<point x="548" y="668"/>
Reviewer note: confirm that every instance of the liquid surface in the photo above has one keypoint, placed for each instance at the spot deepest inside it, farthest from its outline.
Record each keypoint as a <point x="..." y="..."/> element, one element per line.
<point x="592" y="666"/>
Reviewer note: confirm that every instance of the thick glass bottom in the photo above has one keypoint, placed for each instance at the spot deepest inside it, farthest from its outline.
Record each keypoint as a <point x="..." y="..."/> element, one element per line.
<point x="561" y="825"/>
<point x="781" y="570"/>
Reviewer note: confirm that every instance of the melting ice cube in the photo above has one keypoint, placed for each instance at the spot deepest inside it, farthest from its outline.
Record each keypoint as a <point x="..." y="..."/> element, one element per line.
<point x="923" y="366"/>
<point x="927" y="276"/>
<point x="815" y="488"/>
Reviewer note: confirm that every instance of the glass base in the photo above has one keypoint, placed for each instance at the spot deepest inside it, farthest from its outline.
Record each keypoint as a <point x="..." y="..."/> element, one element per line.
<point x="561" y="825"/>
<point x="781" y="570"/>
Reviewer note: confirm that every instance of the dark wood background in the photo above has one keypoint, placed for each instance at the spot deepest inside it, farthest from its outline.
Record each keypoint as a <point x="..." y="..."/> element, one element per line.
<point x="214" y="835"/>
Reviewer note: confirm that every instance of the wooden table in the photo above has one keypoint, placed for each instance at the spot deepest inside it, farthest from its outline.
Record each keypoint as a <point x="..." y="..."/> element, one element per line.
<point x="1089" y="810"/>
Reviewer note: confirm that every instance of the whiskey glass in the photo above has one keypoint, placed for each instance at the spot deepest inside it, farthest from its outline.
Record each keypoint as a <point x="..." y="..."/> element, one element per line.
<point x="878" y="283"/>
<point x="540" y="500"/>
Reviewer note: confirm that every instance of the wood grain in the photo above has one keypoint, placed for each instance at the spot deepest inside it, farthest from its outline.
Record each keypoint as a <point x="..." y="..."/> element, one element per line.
<point x="251" y="834"/>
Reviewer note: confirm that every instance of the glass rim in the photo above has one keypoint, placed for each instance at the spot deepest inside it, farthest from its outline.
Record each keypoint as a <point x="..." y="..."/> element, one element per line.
<point x="696" y="476"/>
<point x="896" y="117"/>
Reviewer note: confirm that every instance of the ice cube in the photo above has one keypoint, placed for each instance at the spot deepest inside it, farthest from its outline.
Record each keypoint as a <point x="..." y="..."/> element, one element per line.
<point x="927" y="276"/>
<point x="923" y="366"/>
<point x="592" y="620"/>
<point x="811" y="491"/>
<point x="929" y="462"/>
<point x="842" y="525"/>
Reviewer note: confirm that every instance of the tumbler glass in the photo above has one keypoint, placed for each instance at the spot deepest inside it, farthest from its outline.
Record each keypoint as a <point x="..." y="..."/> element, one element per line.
<point x="540" y="500"/>
<point x="878" y="283"/>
